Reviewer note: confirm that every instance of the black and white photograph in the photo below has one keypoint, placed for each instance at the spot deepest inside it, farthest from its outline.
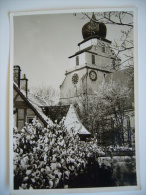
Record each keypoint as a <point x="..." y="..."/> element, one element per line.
<point x="74" y="100"/>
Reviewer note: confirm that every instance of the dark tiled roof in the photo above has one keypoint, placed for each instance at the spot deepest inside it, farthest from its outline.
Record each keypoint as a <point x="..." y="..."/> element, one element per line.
<point x="123" y="75"/>
<point x="92" y="37"/>
<point x="56" y="112"/>
<point x="81" y="51"/>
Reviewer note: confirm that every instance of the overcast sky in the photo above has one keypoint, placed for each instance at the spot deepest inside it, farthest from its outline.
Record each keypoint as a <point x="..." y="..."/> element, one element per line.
<point x="43" y="43"/>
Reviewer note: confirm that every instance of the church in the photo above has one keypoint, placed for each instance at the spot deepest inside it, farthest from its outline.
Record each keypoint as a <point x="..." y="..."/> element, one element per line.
<point x="96" y="63"/>
<point x="90" y="65"/>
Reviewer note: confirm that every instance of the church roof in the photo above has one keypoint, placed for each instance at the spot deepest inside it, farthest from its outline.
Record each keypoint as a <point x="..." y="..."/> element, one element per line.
<point x="82" y="51"/>
<point x="94" y="28"/>
<point x="124" y="76"/>
<point x="94" y="37"/>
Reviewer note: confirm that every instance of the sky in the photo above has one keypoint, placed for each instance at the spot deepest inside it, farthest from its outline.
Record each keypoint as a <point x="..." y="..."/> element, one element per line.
<point x="43" y="43"/>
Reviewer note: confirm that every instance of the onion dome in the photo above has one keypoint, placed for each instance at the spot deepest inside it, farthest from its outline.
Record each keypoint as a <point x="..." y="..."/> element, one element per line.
<point x="94" y="28"/>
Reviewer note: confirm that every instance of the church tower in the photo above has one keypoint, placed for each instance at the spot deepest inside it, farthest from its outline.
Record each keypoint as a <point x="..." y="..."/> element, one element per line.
<point x="89" y="66"/>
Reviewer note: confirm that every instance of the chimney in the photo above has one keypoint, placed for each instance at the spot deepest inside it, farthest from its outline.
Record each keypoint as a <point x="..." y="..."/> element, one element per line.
<point x="17" y="75"/>
<point x="24" y="84"/>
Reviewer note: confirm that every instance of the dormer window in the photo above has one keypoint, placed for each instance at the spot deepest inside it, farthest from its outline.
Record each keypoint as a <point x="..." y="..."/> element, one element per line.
<point x="77" y="60"/>
<point x="93" y="59"/>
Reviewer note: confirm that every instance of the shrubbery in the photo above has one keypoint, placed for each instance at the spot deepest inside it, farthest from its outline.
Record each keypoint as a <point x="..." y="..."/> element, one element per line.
<point x="49" y="157"/>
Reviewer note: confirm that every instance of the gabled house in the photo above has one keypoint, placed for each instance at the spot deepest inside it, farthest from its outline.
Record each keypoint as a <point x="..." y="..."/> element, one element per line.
<point x="27" y="106"/>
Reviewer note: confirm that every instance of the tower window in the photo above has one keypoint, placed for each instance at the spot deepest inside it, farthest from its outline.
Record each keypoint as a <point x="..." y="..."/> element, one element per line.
<point x="93" y="59"/>
<point x="103" y="48"/>
<point x="113" y="62"/>
<point x="77" y="60"/>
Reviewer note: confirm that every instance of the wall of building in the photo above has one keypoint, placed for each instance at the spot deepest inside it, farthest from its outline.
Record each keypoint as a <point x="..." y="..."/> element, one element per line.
<point x="72" y="61"/>
<point x="84" y="85"/>
<point x="87" y="44"/>
<point x="68" y="89"/>
<point x="103" y="59"/>
<point x="22" y="111"/>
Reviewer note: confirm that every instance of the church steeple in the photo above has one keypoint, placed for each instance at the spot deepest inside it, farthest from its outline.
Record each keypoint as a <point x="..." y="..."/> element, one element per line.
<point x="94" y="28"/>
<point x="93" y="17"/>
<point x="90" y="64"/>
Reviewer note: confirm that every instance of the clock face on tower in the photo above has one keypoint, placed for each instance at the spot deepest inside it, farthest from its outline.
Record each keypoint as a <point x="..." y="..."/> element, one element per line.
<point x="93" y="75"/>
<point x="75" y="78"/>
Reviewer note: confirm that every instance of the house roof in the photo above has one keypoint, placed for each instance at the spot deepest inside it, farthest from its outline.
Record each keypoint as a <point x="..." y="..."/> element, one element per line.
<point x="50" y="114"/>
<point x="37" y="110"/>
<point x="72" y="121"/>
<point x="36" y="100"/>
<point x="56" y="113"/>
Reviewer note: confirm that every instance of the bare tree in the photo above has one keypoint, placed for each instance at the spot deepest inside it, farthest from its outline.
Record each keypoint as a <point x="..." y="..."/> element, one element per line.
<point x="123" y="47"/>
<point x="46" y="93"/>
<point x="104" y="112"/>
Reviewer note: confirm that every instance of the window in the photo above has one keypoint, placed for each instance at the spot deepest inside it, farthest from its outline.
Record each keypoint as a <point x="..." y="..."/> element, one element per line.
<point x="93" y="59"/>
<point x="129" y="129"/>
<point x="30" y="119"/>
<point x="77" y="60"/>
<point x="103" y="48"/>
<point x="112" y="123"/>
<point x="113" y="53"/>
<point x="113" y="62"/>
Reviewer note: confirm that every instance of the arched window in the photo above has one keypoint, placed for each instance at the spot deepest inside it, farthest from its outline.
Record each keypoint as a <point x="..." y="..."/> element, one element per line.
<point x="77" y="60"/>
<point x="93" y="59"/>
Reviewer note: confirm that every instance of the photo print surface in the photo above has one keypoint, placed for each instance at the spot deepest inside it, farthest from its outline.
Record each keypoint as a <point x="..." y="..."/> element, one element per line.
<point x="73" y="101"/>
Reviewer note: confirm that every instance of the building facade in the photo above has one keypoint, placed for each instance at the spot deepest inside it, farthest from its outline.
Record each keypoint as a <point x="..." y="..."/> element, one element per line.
<point x="26" y="106"/>
<point x="95" y="63"/>
<point x="89" y="66"/>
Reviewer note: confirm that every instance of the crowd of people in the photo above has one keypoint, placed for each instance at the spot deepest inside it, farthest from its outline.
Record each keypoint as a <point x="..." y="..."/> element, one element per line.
<point x="48" y="158"/>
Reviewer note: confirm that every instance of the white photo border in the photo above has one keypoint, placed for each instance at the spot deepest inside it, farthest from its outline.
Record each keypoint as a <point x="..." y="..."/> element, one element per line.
<point x="80" y="190"/>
